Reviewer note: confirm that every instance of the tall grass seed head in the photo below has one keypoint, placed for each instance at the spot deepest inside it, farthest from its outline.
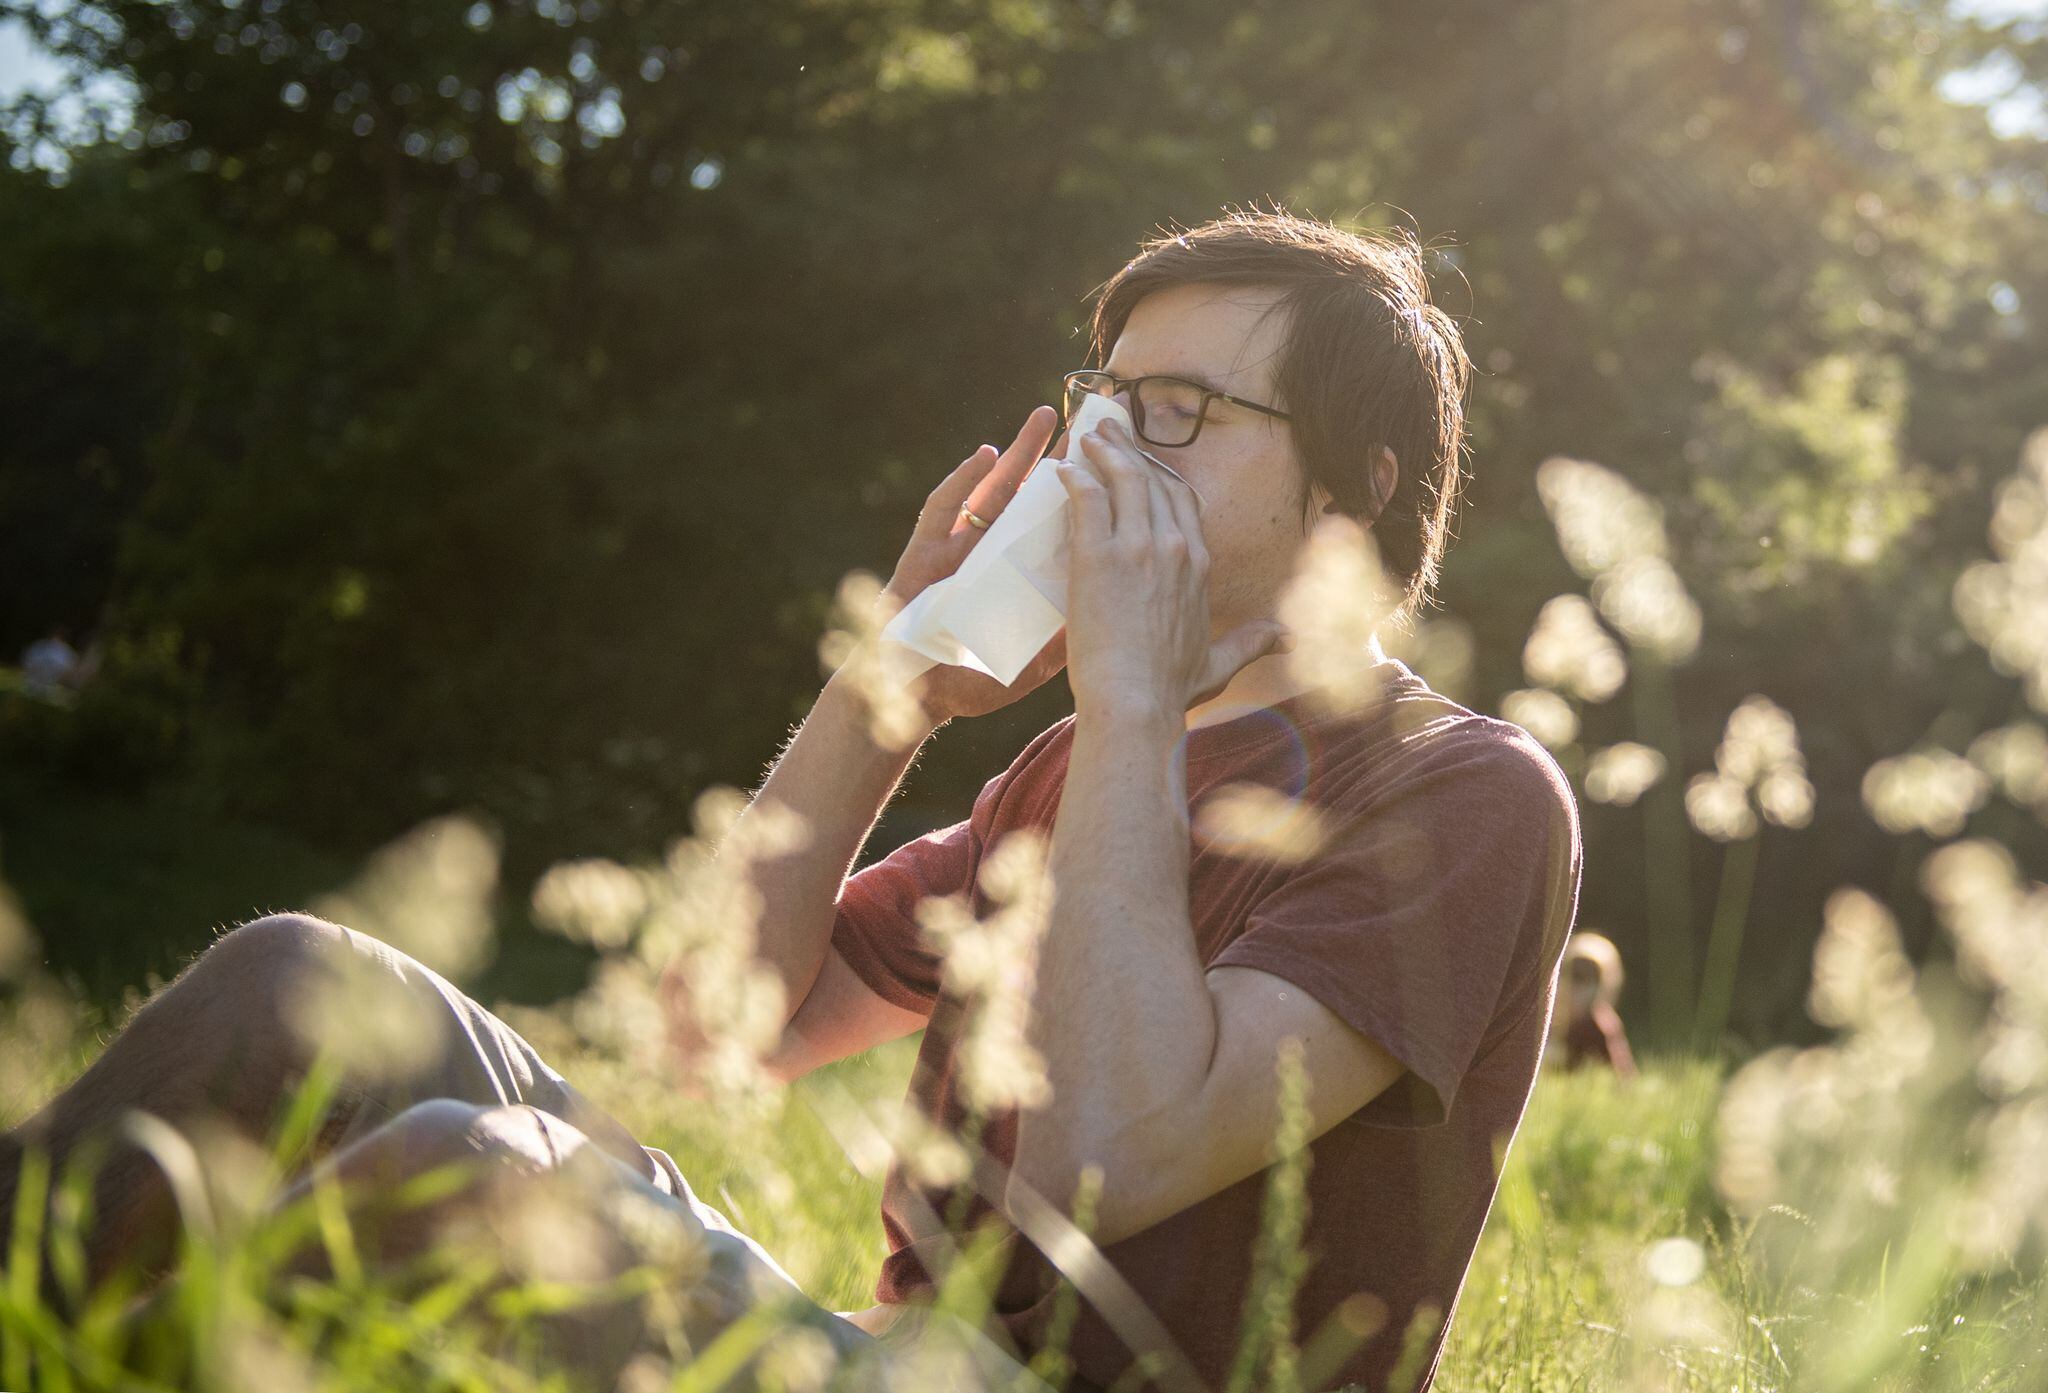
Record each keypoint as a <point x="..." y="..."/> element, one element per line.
<point x="1570" y="651"/>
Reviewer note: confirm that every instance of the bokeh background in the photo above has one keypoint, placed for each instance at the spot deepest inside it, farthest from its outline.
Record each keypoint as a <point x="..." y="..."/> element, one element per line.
<point x="433" y="408"/>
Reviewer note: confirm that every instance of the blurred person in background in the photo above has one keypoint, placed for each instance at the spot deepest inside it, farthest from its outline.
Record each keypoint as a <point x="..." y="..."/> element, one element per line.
<point x="1585" y="1027"/>
<point x="51" y="665"/>
<point x="1296" y="375"/>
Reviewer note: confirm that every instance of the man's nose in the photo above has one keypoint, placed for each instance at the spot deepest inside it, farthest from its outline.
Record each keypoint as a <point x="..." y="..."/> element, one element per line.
<point x="1122" y="398"/>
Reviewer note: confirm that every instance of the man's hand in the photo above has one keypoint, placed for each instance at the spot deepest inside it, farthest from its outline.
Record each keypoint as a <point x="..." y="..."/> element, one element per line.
<point x="1137" y="590"/>
<point x="985" y="482"/>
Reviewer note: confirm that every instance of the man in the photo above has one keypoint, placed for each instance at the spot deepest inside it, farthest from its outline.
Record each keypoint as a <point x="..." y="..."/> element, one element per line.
<point x="1284" y="370"/>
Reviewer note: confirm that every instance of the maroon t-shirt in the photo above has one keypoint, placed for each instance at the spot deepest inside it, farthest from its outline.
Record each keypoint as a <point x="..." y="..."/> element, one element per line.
<point x="1432" y="921"/>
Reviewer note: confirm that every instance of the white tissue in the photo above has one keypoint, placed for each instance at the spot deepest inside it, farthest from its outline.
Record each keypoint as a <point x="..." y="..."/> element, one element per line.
<point x="1009" y="597"/>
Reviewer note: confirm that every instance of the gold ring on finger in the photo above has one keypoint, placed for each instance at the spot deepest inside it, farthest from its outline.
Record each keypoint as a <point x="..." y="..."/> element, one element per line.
<point x="977" y="519"/>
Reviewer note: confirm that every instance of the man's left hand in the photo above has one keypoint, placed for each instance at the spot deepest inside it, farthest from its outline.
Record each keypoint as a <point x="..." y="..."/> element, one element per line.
<point x="1137" y="588"/>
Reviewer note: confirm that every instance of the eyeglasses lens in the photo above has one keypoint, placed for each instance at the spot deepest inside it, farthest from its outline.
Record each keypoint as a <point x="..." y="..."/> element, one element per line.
<point x="1172" y="410"/>
<point x="1168" y="412"/>
<point x="1082" y="386"/>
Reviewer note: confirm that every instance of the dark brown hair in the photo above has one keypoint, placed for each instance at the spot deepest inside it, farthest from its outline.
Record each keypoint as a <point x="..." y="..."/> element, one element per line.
<point x="1369" y="361"/>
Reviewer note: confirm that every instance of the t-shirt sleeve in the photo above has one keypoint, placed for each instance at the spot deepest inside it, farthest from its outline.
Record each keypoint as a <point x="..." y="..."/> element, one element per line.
<point x="875" y="928"/>
<point x="1435" y="901"/>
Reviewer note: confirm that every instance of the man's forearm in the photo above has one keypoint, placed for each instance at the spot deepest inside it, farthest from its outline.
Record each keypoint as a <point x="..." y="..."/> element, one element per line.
<point x="837" y="780"/>
<point x="1121" y="1009"/>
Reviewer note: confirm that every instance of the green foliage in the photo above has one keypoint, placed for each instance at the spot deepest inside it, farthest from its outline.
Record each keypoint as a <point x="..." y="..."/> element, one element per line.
<point x="129" y="888"/>
<point x="1808" y="482"/>
<point x="489" y="398"/>
<point x="119" y="731"/>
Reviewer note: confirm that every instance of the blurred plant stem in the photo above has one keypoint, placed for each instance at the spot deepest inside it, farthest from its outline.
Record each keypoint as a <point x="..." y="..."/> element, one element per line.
<point x="1724" y="942"/>
<point x="1667" y="878"/>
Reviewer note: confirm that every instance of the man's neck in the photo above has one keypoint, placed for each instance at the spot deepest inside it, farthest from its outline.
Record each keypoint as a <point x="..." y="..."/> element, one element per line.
<point x="1258" y="685"/>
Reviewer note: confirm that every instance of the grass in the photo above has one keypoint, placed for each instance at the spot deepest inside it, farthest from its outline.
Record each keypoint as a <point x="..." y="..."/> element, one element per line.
<point x="1607" y="1263"/>
<point x="1614" y="1257"/>
<point x="123" y="887"/>
<point x="790" y="1186"/>
<point x="127" y="888"/>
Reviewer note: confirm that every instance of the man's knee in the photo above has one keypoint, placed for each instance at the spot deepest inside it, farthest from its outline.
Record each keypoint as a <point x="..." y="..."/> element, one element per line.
<point x="316" y="979"/>
<point x="266" y="958"/>
<point x="257" y="976"/>
<point x="514" y="1186"/>
<point x="487" y="1171"/>
<point x="433" y="1155"/>
<point x="426" y="1136"/>
<point x="405" y="1183"/>
<point x="447" y="1131"/>
<point x="253" y="1011"/>
<point x="234" y="998"/>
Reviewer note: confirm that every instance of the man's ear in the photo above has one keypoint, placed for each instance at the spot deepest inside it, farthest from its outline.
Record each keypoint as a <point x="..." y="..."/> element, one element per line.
<point x="1386" y="474"/>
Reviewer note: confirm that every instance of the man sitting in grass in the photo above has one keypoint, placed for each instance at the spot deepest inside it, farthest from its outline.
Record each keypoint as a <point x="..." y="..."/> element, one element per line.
<point x="1286" y="371"/>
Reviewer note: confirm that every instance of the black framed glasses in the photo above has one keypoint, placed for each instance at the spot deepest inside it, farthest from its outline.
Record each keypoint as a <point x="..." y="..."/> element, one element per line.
<point x="1168" y="411"/>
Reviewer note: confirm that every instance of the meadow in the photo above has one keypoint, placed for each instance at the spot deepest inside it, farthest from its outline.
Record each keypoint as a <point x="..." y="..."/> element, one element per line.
<point x="1864" y="1212"/>
<point x="1609" y="1263"/>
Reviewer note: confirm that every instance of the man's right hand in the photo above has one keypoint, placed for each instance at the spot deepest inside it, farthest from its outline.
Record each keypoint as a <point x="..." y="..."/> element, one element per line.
<point x="985" y="482"/>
